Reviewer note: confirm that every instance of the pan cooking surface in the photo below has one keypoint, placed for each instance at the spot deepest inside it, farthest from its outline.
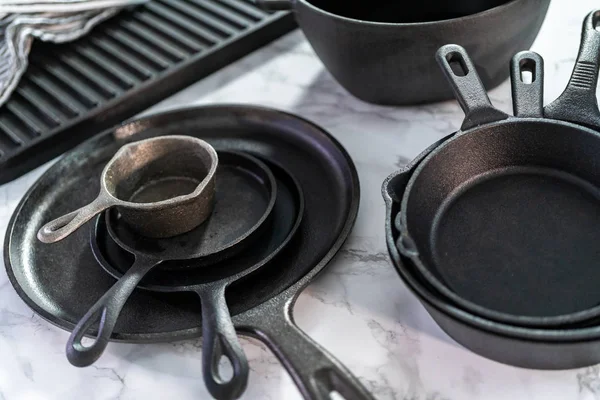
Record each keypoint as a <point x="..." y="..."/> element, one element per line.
<point x="494" y="230"/>
<point x="164" y="189"/>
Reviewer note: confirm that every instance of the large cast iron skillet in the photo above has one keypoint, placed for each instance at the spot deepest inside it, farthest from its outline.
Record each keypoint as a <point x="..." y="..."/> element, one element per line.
<point x="382" y="51"/>
<point x="523" y="170"/>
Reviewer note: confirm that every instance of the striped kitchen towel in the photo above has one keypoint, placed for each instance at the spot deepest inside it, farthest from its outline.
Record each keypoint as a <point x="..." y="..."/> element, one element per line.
<point x="22" y="21"/>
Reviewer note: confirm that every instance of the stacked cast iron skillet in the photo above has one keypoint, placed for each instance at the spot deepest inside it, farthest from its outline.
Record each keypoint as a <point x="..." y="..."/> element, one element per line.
<point x="286" y="196"/>
<point x="496" y="227"/>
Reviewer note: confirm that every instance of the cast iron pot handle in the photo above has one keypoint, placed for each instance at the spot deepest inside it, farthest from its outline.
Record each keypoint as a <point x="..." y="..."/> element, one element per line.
<point x="65" y="225"/>
<point x="317" y="373"/>
<point x="106" y="312"/>
<point x="528" y="98"/>
<point x="467" y="86"/>
<point x="275" y="5"/>
<point x="578" y="102"/>
<point x="219" y="339"/>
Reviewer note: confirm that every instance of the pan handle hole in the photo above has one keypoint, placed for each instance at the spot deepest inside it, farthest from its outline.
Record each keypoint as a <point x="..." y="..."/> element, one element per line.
<point x="87" y="341"/>
<point x="527" y="67"/>
<point x="457" y="64"/>
<point x="335" y="395"/>
<point x="225" y="369"/>
<point x="596" y="21"/>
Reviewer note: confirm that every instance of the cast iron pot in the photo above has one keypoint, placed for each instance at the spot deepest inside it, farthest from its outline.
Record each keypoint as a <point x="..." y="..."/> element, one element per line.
<point x="383" y="51"/>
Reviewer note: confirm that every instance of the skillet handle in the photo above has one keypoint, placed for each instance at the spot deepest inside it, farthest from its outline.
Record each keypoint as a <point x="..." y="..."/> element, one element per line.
<point x="316" y="372"/>
<point x="528" y="97"/>
<point x="275" y="5"/>
<point x="65" y="225"/>
<point x="219" y="339"/>
<point x="578" y="103"/>
<point x="467" y="87"/>
<point x="106" y="312"/>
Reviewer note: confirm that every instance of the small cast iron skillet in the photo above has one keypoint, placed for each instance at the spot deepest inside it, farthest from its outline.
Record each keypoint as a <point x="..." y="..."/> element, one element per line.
<point x="504" y="218"/>
<point x="246" y="192"/>
<point x="163" y="186"/>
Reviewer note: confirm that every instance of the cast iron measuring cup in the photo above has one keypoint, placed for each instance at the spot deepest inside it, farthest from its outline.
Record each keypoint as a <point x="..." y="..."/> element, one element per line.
<point x="162" y="186"/>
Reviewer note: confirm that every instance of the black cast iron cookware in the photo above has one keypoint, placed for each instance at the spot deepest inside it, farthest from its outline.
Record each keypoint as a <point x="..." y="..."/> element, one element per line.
<point x="114" y="239"/>
<point x="524" y="347"/>
<point x="61" y="282"/>
<point x="382" y="51"/>
<point x="555" y="347"/>
<point x="134" y="180"/>
<point x="245" y="196"/>
<point x="504" y="218"/>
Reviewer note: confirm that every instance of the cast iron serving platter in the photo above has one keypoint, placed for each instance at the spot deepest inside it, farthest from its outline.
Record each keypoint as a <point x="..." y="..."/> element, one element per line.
<point x="62" y="281"/>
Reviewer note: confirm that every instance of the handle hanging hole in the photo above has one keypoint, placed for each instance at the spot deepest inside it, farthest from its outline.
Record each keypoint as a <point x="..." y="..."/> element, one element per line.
<point x="87" y="342"/>
<point x="335" y="395"/>
<point x="457" y="64"/>
<point x="57" y="227"/>
<point x="84" y="342"/>
<point x="596" y="21"/>
<point x="225" y="369"/>
<point x="527" y="67"/>
<point x="60" y="224"/>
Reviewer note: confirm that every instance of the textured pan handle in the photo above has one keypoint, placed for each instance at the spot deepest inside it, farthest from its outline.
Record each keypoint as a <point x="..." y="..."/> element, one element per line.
<point x="65" y="225"/>
<point x="105" y="312"/>
<point x="275" y="5"/>
<point x="316" y="372"/>
<point x="578" y="102"/>
<point x="467" y="86"/>
<point x="528" y="97"/>
<point x="219" y="339"/>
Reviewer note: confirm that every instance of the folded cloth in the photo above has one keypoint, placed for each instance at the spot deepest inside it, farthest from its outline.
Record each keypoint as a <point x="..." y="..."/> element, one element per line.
<point x="43" y="19"/>
<point x="62" y="6"/>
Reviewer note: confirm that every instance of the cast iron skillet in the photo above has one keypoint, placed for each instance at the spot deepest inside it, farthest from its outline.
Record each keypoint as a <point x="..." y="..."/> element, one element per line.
<point x="60" y="284"/>
<point x="245" y="196"/>
<point x="518" y="346"/>
<point x="524" y="347"/>
<point x="506" y="214"/>
<point x="381" y="51"/>
<point x="113" y="244"/>
<point x="550" y="348"/>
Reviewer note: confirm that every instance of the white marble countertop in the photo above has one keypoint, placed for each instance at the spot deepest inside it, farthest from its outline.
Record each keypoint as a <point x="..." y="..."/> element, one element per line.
<point x="358" y="309"/>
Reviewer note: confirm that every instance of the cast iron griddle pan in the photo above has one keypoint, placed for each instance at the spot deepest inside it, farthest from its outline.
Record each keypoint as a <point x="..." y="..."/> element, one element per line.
<point x="504" y="218"/>
<point x="62" y="281"/>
